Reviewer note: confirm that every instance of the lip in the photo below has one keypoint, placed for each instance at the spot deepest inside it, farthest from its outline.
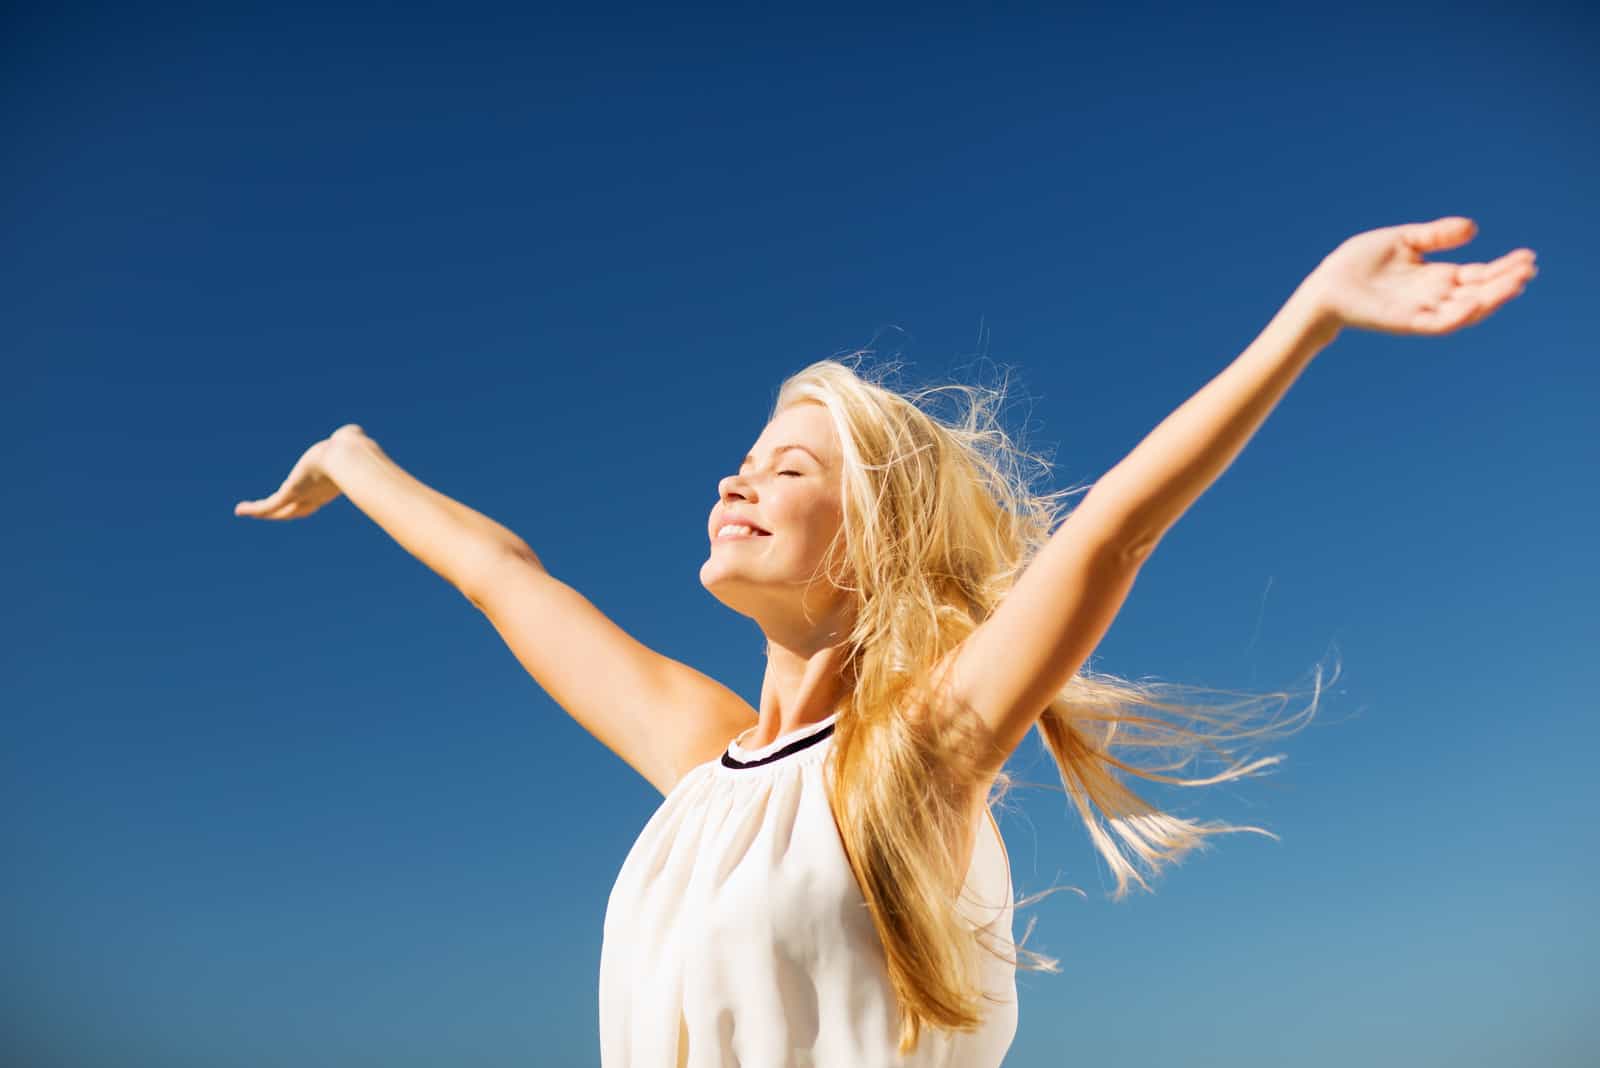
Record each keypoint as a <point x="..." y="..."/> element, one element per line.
<point x="732" y="518"/>
<point x="738" y="537"/>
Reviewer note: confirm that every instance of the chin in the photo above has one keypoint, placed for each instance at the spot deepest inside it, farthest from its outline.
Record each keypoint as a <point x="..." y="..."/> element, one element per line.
<point x="715" y="582"/>
<point x="734" y="594"/>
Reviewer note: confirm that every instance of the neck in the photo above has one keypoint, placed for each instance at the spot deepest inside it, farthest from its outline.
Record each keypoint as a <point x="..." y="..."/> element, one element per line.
<point x="802" y="686"/>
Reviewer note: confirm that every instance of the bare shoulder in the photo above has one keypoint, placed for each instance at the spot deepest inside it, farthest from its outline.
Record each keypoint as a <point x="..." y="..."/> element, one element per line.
<point x="661" y="716"/>
<point x="718" y="716"/>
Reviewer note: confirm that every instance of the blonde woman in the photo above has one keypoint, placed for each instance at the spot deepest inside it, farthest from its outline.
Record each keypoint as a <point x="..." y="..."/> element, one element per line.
<point x="823" y="882"/>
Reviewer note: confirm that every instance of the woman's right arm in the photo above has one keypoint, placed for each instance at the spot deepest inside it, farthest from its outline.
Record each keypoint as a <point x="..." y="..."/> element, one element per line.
<point x="661" y="716"/>
<point x="459" y="544"/>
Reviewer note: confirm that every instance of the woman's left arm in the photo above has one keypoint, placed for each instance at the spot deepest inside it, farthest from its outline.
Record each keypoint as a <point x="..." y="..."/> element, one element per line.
<point x="1376" y="280"/>
<point x="1053" y="617"/>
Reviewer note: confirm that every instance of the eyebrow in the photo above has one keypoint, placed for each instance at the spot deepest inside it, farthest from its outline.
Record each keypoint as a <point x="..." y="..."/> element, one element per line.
<point x="782" y="448"/>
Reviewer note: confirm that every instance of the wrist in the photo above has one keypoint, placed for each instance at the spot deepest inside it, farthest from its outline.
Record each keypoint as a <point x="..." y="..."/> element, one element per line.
<point x="336" y="450"/>
<point x="1312" y="316"/>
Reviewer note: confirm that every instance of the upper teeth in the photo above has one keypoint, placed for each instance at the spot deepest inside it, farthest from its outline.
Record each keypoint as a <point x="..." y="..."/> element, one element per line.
<point x="735" y="528"/>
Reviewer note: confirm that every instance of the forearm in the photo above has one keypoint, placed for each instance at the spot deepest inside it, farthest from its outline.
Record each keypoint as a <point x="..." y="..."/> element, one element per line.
<point x="454" y="541"/>
<point x="1145" y="493"/>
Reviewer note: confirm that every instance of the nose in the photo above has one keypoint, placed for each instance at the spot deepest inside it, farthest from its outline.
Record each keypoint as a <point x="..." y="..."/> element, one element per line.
<point x="732" y="486"/>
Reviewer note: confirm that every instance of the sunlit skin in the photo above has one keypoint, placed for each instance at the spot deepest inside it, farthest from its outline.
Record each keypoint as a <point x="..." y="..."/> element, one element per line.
<point x="1376" y="280"/>
<point x="770" y="579"/>
<point x="1007" y="668"/>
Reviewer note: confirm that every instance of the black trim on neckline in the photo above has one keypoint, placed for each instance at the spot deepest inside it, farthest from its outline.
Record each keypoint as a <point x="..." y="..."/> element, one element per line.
<point x="729" y="761"/>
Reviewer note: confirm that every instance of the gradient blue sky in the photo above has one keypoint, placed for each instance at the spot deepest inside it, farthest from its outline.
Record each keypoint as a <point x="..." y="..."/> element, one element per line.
<point x="278" y="795"/>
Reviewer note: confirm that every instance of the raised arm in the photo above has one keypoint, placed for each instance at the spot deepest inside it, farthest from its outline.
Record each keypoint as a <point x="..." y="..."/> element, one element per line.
<point x="660" y="716"/>
<point x="1047" y="626"/>
<point x="458" y="543"/>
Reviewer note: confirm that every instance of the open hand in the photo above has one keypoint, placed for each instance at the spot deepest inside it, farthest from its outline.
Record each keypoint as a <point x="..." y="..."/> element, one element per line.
<point x="1378" y="280"/>
<point x="305" y="490"/>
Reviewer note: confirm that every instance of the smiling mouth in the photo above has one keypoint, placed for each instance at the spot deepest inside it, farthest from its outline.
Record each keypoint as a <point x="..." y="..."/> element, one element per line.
<point x="743" y="537"/>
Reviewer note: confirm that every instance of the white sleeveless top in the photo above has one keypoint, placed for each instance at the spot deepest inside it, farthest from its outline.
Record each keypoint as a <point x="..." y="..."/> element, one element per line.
<point x="736" y="933"/>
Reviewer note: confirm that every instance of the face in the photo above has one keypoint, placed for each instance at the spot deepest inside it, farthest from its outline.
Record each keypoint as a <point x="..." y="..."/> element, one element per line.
<point x="792" y="494"/>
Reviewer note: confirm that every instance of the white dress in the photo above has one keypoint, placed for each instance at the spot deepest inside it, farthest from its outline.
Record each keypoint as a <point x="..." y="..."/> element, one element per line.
<point x="736" y="933"/>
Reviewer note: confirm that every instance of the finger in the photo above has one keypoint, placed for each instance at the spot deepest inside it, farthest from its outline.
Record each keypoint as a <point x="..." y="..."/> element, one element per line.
<point x="1447" y="232"/>
<point x="1519" y="259"/>
<point x="1482" y="312"/>
<point x="1498" y="289"/>
<point x="262" y="506"/>
<point x="1449" y="314"/>
<point x="1470" y="305"/>
<point x="260" y="510"/>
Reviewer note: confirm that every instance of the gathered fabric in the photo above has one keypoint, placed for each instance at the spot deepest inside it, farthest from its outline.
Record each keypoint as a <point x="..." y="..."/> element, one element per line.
<point x="736" y="934"/>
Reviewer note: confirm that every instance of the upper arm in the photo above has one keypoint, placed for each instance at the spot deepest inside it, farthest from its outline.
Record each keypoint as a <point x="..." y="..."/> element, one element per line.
<point x="1006" y="671"/>
<point x="659" y="715"/>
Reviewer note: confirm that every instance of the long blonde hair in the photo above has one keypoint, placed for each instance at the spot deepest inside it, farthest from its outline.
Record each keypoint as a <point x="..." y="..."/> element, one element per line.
<point x="939" y="522"/>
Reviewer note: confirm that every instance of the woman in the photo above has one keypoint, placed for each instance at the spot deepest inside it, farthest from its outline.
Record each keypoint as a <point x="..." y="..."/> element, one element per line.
<point x="823" y="882"/>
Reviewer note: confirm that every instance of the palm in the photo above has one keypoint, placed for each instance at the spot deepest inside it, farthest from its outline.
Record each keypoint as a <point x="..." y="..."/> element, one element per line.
<point x="303" y="492"/>
<point x="1378" y="280"/>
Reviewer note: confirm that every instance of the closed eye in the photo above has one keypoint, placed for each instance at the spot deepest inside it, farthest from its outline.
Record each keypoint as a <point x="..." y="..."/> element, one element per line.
<point x="788" y="472"/>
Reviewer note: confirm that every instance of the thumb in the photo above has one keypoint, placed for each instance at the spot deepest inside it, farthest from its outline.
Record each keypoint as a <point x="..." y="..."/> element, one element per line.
<point x="1447" y="232"/>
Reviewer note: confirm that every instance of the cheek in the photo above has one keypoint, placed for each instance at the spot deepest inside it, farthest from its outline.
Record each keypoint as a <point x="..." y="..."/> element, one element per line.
<point x="821" y="520"/>
<point x="820" y="535"/>
<point x="810" y="519"/>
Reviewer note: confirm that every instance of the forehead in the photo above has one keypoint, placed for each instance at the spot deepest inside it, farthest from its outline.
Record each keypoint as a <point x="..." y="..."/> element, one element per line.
<point x="805" y="423"/>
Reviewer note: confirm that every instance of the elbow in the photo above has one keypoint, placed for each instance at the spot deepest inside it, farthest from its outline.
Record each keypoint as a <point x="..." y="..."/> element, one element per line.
<point x="1115" y="531"/>
<point x="1138" y="547"/>
<point x="488" y="571"/>
<point x="1126" y="522"/>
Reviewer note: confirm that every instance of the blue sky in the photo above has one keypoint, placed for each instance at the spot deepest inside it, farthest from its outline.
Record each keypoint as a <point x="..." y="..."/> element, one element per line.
<point x="278" y="795"/>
